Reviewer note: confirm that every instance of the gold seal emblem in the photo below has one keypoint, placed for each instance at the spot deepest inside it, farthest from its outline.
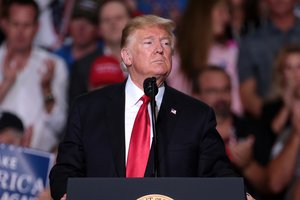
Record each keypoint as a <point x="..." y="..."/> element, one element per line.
<point x="154" y="197"/>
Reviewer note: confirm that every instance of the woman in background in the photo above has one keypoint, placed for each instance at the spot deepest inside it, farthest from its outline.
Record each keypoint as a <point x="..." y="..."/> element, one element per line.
<point x="202" y="40"/>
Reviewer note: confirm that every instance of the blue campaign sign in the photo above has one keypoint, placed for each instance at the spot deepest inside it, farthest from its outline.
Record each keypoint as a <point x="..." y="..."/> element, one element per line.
<point x="23" y="172"/>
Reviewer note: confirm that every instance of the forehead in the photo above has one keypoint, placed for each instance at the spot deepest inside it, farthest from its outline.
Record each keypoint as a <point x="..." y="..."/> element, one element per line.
<point x="151" y="31"/>
<point x="113" y="8"/>
<point x="213" y="79"/>
<point x="18" y="11"/>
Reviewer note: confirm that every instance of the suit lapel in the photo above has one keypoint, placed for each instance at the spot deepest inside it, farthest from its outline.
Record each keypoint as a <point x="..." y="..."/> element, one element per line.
<point x="166" y="121"/>
<point x="168" y="114"/>
<point x="115" y="121"/>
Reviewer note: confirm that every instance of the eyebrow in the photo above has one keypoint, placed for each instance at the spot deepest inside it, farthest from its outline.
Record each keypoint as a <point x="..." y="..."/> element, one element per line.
<point x="152" y="37"/>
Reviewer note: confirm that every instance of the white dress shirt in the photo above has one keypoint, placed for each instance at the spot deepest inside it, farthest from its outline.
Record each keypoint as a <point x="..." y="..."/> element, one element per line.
<point x="26" y="100"/>
<point x="132" y="105"/>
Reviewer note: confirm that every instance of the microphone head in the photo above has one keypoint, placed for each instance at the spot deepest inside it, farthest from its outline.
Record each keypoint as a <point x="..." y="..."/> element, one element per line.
<point x="150" y="87"/>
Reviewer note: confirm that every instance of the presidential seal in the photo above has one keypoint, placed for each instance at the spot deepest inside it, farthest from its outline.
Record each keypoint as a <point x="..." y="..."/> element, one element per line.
<point x="154" y="197"/>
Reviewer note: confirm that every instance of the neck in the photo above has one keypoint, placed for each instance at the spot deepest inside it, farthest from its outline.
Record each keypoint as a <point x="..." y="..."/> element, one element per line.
<point x="19" y="54"/>
<point x="283" y="22"/>
<point x="80" y="51"/>
<point x="115" y="50"/>
<point x="140" y="83"/>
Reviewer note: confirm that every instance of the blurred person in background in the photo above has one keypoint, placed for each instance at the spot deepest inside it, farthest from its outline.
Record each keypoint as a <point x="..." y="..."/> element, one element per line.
<point x="12" y="132"/>
<point x="258" y="50"/>
<point x="105" y="70"/>
<point x="244" y="140"/>
<point x="83" y="30"/>
<point x="33" y="82"/>
<point x="201" y="41"/>
<point x="244" y="18"/>
<point x="282" y="112"/>
<point x="113" y="16"/>
<point x="11" y="128"/>
<point x="2" y="36"/>
<point x="47" y="35"/>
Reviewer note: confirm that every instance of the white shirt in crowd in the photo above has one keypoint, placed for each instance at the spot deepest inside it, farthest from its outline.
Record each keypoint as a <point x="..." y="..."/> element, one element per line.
<point x="26" y="100"/>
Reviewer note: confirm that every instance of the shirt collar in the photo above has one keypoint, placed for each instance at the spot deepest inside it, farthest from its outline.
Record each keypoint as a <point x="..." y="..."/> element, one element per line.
<point x="134" y="93"/>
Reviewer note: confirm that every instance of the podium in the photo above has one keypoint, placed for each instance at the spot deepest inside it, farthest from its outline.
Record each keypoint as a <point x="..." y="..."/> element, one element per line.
<point x="231" y="188"/>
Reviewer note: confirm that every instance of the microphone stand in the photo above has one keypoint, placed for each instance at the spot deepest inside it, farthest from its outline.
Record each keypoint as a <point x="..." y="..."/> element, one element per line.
<point x="155" y="145"/>
<point x="150" y="89"/>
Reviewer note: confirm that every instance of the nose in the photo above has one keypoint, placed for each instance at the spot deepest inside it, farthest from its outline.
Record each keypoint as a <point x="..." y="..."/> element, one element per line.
<point x="159" y="49"/>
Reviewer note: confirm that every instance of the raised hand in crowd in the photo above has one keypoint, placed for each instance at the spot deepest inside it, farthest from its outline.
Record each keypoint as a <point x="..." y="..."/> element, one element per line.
<point x="11" y="66"/>
<point x="46" y="81"/>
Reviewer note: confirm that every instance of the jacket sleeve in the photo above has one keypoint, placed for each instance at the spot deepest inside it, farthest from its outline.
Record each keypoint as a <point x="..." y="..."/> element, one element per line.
<point x="70" y="160"/>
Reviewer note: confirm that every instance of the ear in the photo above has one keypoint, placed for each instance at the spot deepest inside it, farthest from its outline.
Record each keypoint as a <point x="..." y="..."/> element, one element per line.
<point x="126" y="57"/>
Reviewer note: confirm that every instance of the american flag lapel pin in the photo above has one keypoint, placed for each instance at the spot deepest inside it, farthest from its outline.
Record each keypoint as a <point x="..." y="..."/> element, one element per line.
<point x="173" y="111"/>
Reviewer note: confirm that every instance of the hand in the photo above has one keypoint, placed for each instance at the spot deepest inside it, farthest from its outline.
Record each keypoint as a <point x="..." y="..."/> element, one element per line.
<point x="241" y="151"/>
<point x="64" y="197"/>
<point x="48" y="76"/>
<point x="288" y="96"/>
<point x="45" y="195"/>
<point x="10" y="68"/>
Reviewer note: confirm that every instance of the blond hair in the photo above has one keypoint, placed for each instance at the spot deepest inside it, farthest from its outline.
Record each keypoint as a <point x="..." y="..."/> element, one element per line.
<point x="278" y="82"/>
<point x="147" y="21"/>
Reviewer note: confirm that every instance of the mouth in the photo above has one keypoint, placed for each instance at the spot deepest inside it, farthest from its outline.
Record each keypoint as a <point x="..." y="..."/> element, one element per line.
<point x="158" y="61"/>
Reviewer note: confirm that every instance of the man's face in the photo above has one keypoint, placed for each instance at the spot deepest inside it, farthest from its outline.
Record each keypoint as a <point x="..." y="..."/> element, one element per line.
<point x="113" y="18"/>
<point x="215" y="91"/>
<point x="148" y="54"/>
<point x="281" y="7"/>
<point x="20" y="27"/>
<point x="83" y="31"/>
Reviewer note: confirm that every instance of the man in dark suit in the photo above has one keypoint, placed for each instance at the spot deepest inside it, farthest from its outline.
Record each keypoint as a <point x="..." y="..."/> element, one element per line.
<point x="101" y="123"/>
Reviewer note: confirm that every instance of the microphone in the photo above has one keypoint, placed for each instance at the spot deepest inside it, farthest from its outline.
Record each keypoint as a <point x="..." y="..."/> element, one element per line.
<point x="150" y="87"/>
<point x="151" y="90"/>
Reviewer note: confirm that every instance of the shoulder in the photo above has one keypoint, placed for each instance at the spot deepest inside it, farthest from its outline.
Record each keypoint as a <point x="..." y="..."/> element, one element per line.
<point x="190" y="104"/>
<point x="102" y="96"/>
<point x="44" y="54"/>
<point x="65" y="49"/>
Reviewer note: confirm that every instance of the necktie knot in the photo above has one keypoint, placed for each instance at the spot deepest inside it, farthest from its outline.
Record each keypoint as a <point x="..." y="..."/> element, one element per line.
<point x="145" y="99"/>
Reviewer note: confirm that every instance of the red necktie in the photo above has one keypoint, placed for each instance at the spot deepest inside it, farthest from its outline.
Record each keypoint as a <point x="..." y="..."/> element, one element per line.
<point x="139" y="147"/>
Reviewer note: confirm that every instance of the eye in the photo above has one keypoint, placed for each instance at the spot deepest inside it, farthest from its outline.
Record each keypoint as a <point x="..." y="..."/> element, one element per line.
<point x="147" y="42"/>
<point x="166" y="42"/>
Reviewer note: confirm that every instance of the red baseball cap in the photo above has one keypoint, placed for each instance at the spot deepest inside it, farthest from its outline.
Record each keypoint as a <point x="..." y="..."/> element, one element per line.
<point x="105" y="70"/>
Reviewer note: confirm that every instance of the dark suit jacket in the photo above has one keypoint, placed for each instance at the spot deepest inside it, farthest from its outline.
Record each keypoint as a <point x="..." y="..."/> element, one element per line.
<point x="94" y="145"/>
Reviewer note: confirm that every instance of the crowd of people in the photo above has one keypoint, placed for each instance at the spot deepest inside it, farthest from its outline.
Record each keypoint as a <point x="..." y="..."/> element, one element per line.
<point x="241" y="57"/>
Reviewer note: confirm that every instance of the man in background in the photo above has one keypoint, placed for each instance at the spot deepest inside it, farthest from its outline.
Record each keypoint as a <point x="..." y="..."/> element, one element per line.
<point x="246" y="142"/>
<point x="113" y="16"/>
<point x="33" y="82"/>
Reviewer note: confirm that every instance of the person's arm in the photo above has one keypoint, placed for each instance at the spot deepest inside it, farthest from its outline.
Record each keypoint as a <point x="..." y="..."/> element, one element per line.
<point x="9" y="71"/>
<point x="241" y="155"/>
<point x="213" y="161"/>
<point x="281" y="169"/>
<point x="212" y="156"/>
<point x="54" y="87"/>
<point x="251" y="101"/>
<point x="70" y="158"/>
<point x="296" y="191"/>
